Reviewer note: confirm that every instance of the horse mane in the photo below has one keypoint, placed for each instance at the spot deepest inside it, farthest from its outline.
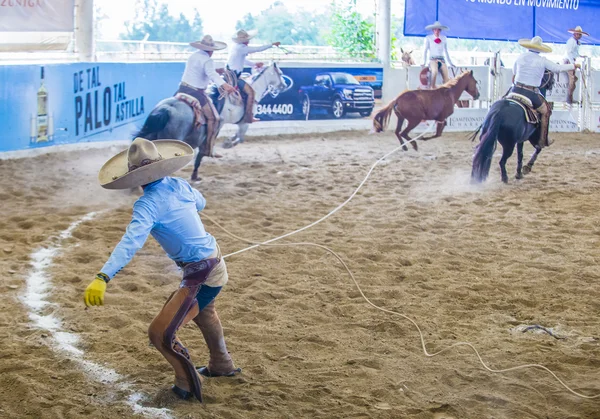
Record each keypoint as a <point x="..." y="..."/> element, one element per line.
<point x="452" y="82"/>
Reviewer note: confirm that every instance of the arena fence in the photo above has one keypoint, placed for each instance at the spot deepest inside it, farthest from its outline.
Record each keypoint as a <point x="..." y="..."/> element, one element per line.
<point x="65" y="103"/>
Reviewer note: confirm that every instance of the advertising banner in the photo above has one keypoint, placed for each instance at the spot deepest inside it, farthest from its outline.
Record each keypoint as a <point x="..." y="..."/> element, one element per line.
<point x="37" y="15"/>
<point x="505" y="20"/>
<point x="70" y="103"/>
<point x="325" y="93"/>
<point x="564" y="121"/>
<point x="561" y="88"/>
<point x="595" y="86"/>
<point x="595" y="121"/>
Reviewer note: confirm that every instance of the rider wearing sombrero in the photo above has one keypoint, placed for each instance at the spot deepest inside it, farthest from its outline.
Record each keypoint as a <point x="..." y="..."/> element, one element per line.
<point x="198" y="74"/>
<point x="436" y="45"/>
<point x="571" y="57"/>
<point x="168" y="210"/>
<point x="528" y="74"/>
<point x="238" y="60"/>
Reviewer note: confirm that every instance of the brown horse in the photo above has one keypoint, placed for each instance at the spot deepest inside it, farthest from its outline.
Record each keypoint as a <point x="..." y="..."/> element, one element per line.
<point x="425" y="105"/>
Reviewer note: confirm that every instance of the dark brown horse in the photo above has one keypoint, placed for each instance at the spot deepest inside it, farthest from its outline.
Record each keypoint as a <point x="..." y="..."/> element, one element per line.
<point x="425" y="105"/>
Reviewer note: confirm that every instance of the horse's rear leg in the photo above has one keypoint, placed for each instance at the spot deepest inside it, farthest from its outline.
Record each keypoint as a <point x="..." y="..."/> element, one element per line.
<point x="507" y="151"/>
<point x="439" y="128"/>
<point x="411" y="125"/>
<point x="399" y="129"/>
<point x="527" y="168"/>
<point x="519" y="161"/>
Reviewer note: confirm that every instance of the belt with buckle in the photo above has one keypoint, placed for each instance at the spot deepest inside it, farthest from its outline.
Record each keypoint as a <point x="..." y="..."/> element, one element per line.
<point x="191" y="87"/>
<point x="526" y="86"/>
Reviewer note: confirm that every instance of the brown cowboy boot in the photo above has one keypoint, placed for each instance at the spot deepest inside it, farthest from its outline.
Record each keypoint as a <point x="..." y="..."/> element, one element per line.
<point x="249" y="115"/>
<point x="571" y="89"/>
<point x="545" y="113"/>
<point x="220" y="363"/>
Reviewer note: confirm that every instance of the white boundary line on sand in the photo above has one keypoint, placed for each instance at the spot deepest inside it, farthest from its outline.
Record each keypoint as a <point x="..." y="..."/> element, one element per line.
<point x="38" y="288"/>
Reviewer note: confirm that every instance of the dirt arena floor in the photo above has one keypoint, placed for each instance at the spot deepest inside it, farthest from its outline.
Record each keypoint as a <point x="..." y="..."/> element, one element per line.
<point x="476" y="264"/>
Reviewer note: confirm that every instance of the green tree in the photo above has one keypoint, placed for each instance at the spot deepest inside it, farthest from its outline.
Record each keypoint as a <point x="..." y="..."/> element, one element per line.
<point x="350" y="31"/>
<point x="153" y="19"/>
<point x="277" y="23"/>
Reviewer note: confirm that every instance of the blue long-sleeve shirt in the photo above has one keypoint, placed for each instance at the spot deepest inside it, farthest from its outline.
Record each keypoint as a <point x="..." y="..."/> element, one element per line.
<point x="169" y="211"/>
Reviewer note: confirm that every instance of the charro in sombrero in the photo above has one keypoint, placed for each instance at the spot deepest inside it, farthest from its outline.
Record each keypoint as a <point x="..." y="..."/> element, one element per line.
<point x="578" y="30"/>
<point x="242" y="36"/>
<point x="169" y="211"/>
<point x="144" y="162"/>
<point x="535" y="44"/>
<point x="436" y="25"/>
<point x="209" y="44"/>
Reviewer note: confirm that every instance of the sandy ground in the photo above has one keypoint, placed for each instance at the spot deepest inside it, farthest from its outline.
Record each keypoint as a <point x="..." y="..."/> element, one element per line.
<point x="468" y="263"/>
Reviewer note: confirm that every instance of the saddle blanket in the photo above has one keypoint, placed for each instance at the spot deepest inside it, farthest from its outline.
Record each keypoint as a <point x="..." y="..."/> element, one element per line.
<point x="193" y="103"/>
<point x="524" y="102"/>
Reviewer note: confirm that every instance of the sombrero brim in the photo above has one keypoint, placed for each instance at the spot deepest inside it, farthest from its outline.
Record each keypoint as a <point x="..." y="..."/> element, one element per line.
<point x="432" y="27"/>
<point x="526" y="43"/>
<point x="581" y="32"/>
<point x="115" y="173"/>
<point x="218" y="46"/>
<point x="251" y="34"/>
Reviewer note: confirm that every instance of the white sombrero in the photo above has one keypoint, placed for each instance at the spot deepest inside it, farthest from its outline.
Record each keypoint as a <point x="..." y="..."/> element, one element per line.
<point x="144" y="162"/>
<point x="578" y="30"/>
<point x="208" y="44"/>
<point x="436" y="25"/>
<point x="535" y="44"/>
<point x="243" y="36"/>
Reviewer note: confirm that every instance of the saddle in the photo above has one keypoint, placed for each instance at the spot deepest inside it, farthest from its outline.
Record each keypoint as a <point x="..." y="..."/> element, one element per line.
<point x="531" y="115"/>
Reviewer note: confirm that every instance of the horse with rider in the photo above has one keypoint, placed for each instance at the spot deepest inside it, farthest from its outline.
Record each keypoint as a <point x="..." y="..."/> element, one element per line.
<point x="208" y="97"/>
<point x="511" y="121"/>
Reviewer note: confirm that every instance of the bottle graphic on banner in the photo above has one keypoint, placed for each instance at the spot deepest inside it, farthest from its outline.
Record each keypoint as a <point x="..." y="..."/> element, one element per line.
<point x="42" y="111"/>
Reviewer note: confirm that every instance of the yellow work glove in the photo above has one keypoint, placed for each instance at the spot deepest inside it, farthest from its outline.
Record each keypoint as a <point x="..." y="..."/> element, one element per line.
<point x="94" y="293"/>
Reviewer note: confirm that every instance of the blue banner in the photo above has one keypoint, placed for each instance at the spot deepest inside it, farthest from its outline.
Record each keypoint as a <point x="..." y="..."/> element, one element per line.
<point x="81" y="102"/>
<point x="504" y="20"/>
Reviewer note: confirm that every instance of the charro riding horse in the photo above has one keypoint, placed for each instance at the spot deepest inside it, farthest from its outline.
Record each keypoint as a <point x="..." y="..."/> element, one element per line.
<point x="174" y="119"/>
<point x="431" y="105"/>
<point x="507" y="123"/>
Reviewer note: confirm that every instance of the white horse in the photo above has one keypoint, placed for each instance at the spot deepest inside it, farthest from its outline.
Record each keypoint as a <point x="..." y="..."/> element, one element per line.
<point x="174" y="119"/>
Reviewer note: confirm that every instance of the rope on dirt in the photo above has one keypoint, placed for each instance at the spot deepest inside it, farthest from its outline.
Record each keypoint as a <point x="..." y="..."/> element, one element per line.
<point x="339" y="207"/>
<point x="392" y="312"/>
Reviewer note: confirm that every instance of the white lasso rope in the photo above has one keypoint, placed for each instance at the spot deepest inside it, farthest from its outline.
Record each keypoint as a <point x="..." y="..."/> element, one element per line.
<point x="423" y="345"/>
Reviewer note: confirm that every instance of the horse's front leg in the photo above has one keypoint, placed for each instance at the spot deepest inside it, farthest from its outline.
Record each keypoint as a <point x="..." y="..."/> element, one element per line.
<point x="439" y="128"/>
<point x="241" y="133"/>
<point x="529" y="165"/>
<point x="519" y="161"/>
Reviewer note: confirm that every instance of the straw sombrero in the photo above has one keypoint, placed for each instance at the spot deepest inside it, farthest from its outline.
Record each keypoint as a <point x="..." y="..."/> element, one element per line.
<point x="208" y="44"/>
<point x="535" y="44"/>
<point x="144" y="162"/>
<point x="578" y="30"/>
<point x="243" y="36"/>
<point x="436" y="25"/>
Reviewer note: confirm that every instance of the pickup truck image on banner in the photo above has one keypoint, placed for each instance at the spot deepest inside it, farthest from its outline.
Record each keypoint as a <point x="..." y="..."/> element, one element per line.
<point x="324" y="93"/>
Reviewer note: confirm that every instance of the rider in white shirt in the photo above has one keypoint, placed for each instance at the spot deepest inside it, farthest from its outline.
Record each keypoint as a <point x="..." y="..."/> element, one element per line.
<point x="198" y="74"/>
<point x="528" y="74"/>
<point x="238" y="60"/>
<point x="571" y="57"/>
<point x="436" y="45"/>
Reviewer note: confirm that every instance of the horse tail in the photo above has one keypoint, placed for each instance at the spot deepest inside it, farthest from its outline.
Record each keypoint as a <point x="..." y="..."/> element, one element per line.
<point x="382" y="118"/>
<point x="482" y="160"/>
<point x="156" y="122"/>
<point x="474" y="134"/>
